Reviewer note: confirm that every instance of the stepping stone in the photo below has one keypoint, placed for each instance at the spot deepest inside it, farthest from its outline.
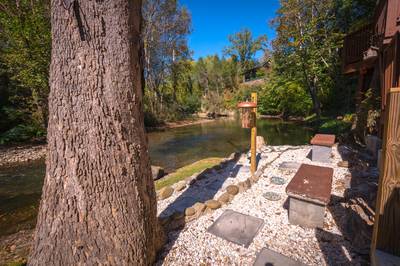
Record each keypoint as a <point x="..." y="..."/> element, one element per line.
<point x="272" y="258"/>
<point x="236" y="227"/>
<point x="289" y="166"/>
<point x="272" y="196"/>
<point x="277" y="180"/>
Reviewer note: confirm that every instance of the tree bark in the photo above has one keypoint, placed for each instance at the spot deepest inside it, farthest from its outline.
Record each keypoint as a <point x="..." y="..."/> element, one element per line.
<point x="98" y="204"/>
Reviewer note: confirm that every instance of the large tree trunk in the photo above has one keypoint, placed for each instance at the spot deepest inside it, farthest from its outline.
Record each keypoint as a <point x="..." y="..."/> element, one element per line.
<point x="98" y="204"/>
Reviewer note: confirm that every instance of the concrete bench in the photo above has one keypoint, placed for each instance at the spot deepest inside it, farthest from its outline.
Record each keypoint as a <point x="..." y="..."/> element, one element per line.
<point x="322" y="147"/>
<point x="309" y="192"/>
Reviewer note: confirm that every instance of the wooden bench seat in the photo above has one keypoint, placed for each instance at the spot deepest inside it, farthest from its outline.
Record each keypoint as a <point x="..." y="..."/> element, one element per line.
<point x="322" y="147"/>
<point x="309" y="192"/>
<point x="323" y="140"/>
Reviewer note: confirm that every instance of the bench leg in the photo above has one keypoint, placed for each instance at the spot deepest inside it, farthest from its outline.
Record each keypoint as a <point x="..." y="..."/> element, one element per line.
<point x="305" y="213"/>
<point x="321" y="154"/>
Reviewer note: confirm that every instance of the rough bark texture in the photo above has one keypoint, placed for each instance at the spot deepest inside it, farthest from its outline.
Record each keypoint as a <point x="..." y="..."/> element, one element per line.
<point x="98" y="204"/>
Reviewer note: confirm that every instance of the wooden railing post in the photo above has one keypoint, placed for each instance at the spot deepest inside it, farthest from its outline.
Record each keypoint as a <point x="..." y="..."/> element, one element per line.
<point x="253" y="147"/>
<point x="386" y="234"/>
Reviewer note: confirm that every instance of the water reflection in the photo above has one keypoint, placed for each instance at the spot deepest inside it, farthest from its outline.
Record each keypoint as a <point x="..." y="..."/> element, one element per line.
<point x="181" y="146"/>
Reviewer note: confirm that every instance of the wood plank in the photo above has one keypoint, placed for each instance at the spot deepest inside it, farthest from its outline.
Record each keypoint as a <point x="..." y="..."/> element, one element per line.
<point x="386" y="233"/>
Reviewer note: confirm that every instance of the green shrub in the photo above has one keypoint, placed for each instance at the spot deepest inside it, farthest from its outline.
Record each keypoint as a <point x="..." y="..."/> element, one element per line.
<point x="21" y="133"/>
<point x="334" y="126"/>
<point x="286" y="98"/>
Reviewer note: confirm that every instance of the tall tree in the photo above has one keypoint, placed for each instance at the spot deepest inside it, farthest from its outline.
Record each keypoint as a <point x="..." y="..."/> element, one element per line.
<point x="166" y="27"/>
<point x="244" y="47"/>
<point x="309" y="37"/>
<point x="98" y="204"/>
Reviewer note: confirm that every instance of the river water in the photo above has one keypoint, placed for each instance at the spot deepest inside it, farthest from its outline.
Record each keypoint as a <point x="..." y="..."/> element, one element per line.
<point x="21" y="186"/>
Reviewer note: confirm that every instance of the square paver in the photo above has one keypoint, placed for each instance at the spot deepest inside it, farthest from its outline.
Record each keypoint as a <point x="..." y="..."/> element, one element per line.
<point x="236" y="227"/>
<point x="267" y="257"/>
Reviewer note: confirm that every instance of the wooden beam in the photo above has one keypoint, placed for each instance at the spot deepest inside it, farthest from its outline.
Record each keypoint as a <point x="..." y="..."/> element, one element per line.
<point x="386" y="234"/>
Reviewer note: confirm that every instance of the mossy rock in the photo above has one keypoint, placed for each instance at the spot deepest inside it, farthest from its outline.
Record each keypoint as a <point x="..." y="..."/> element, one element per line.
<point x="213" y="204"/>
<point x="232" y="189"/>
<point x="224" y="198"/>
<point x="199" y="207"/>
<point x="165" y="192"/>
<point x="190" y="211"/>
<point x="180" y="186"/>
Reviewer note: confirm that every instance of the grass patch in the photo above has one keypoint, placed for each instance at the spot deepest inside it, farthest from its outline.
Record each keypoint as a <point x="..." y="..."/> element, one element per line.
<point x="334" y="126"/>
<point x="186" y="171"/>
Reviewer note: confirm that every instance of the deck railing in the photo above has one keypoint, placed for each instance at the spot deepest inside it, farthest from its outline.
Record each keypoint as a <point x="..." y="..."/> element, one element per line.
<point x="356" y="43"/>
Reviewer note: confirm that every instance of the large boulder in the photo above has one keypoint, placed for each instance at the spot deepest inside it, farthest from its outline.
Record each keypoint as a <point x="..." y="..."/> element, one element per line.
<point x="157" y="172"/>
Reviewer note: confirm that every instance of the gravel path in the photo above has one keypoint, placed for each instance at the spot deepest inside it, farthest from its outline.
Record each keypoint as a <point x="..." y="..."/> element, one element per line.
<point x="193" y="245"/>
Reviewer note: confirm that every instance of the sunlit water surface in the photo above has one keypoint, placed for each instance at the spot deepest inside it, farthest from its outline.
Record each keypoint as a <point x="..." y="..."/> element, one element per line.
<point x="21" y="186"/>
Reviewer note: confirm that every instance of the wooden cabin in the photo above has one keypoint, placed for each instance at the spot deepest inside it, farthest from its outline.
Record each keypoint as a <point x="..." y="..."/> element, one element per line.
<point x="375" y="50"/>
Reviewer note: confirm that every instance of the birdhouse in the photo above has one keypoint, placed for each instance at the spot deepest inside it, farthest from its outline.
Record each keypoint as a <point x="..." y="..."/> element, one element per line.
<point x="248" y="114"/>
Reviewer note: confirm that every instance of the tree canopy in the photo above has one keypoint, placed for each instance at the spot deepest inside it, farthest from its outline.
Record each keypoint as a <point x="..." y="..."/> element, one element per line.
<point x="304" y="61"/>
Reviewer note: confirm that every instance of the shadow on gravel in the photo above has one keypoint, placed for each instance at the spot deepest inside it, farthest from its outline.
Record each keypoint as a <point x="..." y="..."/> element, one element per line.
<point x="208" y="183"/>
<point x="354" y="213"/>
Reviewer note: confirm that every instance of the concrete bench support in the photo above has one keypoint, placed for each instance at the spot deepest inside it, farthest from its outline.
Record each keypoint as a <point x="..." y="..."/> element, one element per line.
<point x="322" y="147"/>
<point x="309" y="192"/>
<point x="306" y="213"/>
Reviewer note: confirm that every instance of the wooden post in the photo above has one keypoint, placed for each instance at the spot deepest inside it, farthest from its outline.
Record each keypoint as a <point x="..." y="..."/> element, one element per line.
<point x="253" y="167"/>
<point x="386" y="234"/>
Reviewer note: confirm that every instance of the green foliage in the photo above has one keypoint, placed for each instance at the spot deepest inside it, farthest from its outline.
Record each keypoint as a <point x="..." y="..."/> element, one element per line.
<point x="214" y="78"/>
<point x="21" y="133"/>
<point x="24" y="63"/>
<point x="244" y="47"/>
<point x="336" y="127"/>
<point x="306" y="65"/>
<point x="286" y="98"/>
<point x="307" y="48"/>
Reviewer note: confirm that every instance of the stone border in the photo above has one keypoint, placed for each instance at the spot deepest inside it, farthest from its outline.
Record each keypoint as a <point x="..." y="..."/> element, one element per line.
<point x="178" y="220"/>
<point x="168" y="191"/>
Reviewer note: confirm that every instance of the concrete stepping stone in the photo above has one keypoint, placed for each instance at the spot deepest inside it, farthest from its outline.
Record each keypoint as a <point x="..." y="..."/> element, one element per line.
<point x="276" y="180"/>
<point x="236" y="227"/>
<point x="289" y="166"/>
<point x="269" y="257"/>
<point x="272" y="196"/>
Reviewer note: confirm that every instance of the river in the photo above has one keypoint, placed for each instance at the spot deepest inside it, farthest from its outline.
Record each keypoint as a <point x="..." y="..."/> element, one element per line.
<point x="21" y="186"/>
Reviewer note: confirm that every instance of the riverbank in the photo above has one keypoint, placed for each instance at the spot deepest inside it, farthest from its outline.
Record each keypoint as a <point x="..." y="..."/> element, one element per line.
<point x="182" y="123"/>
<point x="24" y="153"/>
<point x="27" y="152"/>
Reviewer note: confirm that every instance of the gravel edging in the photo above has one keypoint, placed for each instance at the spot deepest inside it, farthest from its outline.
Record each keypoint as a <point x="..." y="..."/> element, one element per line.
<point x="190" y="243"/>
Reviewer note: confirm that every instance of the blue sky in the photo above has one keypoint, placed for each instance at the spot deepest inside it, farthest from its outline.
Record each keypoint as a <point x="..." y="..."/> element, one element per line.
<point x="214" y="20"/>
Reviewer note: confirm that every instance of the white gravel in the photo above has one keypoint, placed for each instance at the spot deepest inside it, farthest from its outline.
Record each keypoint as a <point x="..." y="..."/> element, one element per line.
<point x="193" y="245"/>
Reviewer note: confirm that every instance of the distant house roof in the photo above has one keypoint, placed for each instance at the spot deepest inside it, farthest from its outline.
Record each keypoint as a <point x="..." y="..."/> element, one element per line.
<point x="265" y="64"/>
